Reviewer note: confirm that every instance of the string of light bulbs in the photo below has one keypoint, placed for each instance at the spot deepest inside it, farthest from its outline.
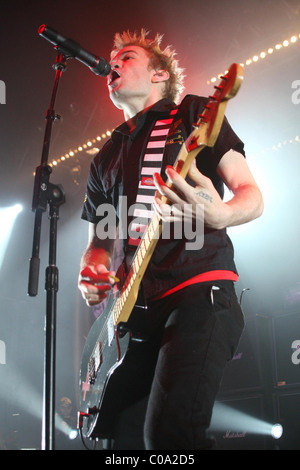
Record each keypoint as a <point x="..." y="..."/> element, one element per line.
<point x="90" y="147"/>
<point x="262" y="55"/>
<point x="278" y="146"/>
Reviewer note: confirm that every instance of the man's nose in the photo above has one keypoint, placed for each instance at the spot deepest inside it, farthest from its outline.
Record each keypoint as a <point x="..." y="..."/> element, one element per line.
<point x="115" y="64"/>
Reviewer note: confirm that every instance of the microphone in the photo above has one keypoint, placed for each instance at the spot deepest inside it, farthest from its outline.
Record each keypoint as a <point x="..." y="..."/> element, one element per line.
<point x="71" y="48"/>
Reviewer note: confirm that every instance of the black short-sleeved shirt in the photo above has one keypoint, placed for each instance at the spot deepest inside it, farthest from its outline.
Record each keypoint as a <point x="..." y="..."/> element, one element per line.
<point x="115" y="172"/>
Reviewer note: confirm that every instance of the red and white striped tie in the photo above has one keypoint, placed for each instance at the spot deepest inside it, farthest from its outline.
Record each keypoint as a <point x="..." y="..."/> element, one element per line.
<point x="152" y="163"/>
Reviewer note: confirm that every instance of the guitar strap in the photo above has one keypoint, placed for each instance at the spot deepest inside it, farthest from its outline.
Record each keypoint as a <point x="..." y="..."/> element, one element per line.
<point x="152" y="163"/>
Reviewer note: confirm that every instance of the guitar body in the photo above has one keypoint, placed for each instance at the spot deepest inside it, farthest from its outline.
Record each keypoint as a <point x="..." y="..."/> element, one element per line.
<point x="103" y="353"/>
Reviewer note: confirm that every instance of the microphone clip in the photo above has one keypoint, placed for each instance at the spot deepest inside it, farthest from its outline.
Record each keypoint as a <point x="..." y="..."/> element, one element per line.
<point x="68" y="48"/>
<point x="61" y="60"/>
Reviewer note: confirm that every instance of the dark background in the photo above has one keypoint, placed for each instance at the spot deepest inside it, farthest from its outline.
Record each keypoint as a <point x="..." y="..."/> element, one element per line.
<point x="208" y="37"/>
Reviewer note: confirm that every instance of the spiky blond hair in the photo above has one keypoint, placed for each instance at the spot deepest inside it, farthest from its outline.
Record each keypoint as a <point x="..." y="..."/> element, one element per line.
<point x="159" y="60"/>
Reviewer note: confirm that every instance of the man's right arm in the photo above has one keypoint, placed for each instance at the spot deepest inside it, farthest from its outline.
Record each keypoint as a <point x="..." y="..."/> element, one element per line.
<point x="95" y="279"/>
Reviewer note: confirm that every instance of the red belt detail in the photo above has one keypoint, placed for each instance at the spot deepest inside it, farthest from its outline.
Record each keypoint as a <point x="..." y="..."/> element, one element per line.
<point x="209" y="276"/>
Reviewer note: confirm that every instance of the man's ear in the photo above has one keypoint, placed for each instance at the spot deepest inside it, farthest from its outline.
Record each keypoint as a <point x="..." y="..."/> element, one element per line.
<point x="160" y="76"/>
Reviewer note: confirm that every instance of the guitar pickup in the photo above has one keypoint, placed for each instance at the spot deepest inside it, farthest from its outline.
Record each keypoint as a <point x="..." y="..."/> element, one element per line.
<point x="91" y="370"/>
<point x="95" y="363"/>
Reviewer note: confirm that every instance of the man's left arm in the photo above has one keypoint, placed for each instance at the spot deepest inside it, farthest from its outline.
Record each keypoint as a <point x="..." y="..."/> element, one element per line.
<point x="245" y="205"/>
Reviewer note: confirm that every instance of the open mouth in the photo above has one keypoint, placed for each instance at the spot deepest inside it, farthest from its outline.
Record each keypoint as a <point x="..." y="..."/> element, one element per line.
<point x="113" y="76"/>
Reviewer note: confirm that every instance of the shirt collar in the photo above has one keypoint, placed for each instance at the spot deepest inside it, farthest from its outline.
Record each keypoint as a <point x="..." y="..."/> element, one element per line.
<point x="160" y="110"/>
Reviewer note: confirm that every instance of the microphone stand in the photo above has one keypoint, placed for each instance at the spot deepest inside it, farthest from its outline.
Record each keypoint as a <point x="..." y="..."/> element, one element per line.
<point x="47" y="194"/>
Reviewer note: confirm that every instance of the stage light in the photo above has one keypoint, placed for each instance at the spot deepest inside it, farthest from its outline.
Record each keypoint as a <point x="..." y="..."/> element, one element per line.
<point x="232" y="421"/>
<point x="73" y="434"/>
<point x="277" y="431"/>
<point x="17" y="208"/>
<point x="62" y="426"/>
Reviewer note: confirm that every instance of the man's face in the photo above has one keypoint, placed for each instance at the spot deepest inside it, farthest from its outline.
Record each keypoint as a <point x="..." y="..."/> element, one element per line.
<point x="131" y="75"/>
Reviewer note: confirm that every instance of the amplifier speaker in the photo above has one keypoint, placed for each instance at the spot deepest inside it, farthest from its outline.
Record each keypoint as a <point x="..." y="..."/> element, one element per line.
<point x="288" y="406"/>
<point x="244" y="371"/>
<point x="286" y="334"/>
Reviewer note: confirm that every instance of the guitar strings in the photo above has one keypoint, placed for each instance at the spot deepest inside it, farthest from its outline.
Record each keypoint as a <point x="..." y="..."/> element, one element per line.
<point x="119" y="302"/>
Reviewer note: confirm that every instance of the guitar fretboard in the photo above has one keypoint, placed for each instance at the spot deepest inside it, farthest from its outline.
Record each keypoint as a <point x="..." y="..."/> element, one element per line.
<point x="139" y="264"/>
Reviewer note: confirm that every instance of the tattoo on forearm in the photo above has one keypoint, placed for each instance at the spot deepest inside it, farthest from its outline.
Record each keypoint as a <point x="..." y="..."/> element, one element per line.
<point x="205" y="196"/>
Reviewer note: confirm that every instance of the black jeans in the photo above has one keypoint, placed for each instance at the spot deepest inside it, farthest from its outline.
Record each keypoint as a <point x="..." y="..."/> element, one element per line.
<point x="173" y="376"/>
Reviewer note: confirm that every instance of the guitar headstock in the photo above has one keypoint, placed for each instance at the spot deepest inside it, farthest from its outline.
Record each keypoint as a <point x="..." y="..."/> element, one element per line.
<point x="230" y="83"/>
<point x="208" y="126"/>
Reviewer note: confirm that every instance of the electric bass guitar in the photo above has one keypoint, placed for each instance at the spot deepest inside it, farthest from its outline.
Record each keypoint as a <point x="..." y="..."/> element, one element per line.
<point x="106" y="344"/>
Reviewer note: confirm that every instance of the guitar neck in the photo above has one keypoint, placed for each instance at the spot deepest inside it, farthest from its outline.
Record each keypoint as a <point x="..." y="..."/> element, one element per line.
<point x="129" y="290"/>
